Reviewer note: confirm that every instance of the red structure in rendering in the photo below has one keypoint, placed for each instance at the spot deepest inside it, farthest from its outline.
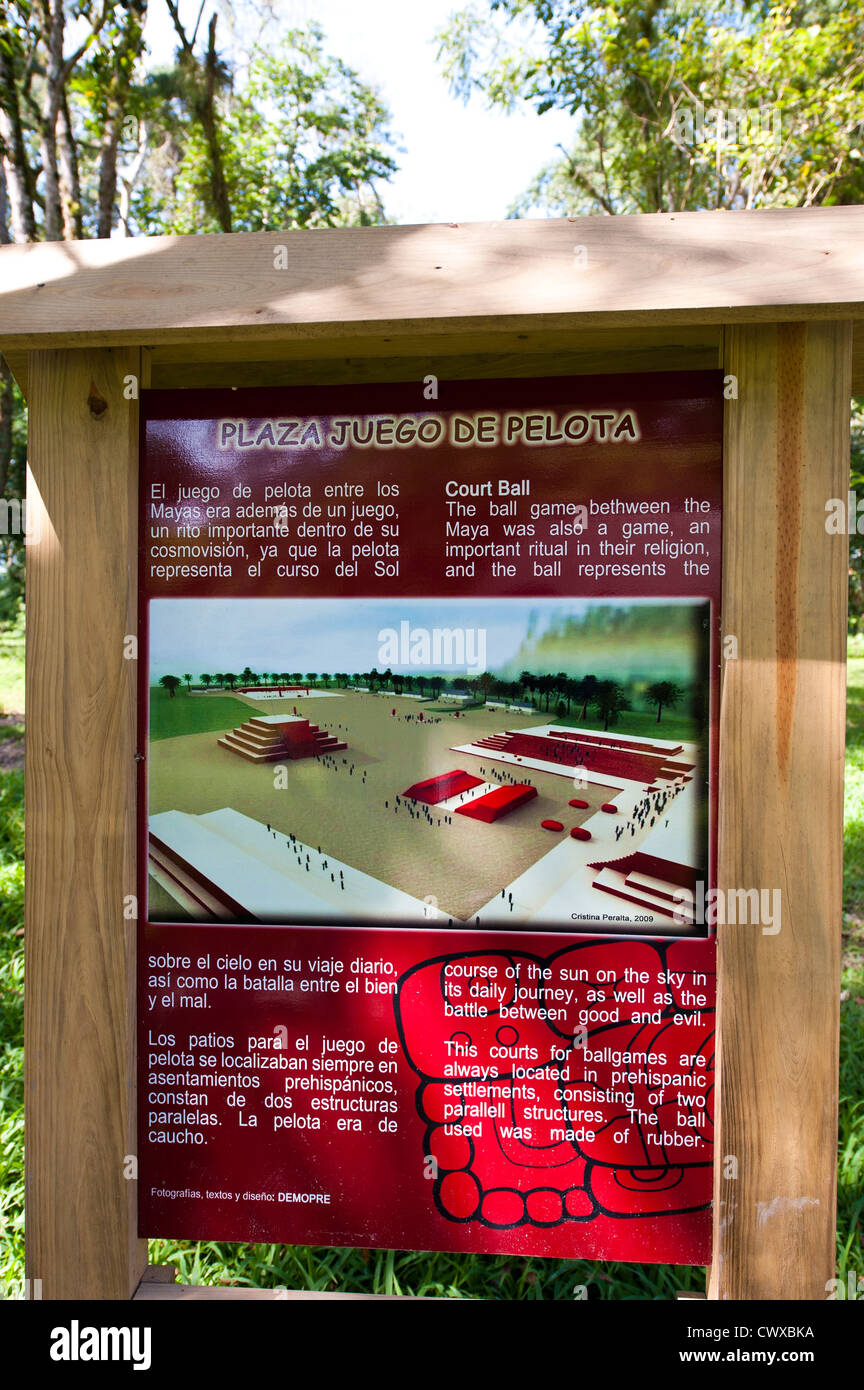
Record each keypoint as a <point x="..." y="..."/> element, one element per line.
<point x="280" y="690"/>
<point x="660" y="885"/>
<point x="270" y="738"/>
<point x="439" y="788"/>
<point x="497" y="803"/>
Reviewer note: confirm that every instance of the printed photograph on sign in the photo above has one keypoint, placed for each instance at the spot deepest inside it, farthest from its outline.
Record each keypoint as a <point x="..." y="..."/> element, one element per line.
<point x="499" y="764"/>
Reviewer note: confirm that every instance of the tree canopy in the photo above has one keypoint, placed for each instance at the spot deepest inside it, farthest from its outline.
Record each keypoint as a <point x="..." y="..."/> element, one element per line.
<point x="681" y="105"/>
<point x="94" y="139"/>
<point x="677" y="104"/>
<point x="97" y="141"/>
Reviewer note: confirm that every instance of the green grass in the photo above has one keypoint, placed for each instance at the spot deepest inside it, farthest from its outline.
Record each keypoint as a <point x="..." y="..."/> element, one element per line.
<point x="853" y="838"/>
<point x="12" y="669"/>
<point x="487" y="1277"/>
<point x="850" y="1174"/>
<point x="420" y="1274"/>
<point x="637" y="723"/>
<point x="11" y="1030"/>
<point x="193" y="714"/>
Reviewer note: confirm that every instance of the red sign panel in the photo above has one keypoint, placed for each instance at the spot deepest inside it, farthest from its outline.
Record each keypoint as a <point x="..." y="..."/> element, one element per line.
<point x="427" y="814"/>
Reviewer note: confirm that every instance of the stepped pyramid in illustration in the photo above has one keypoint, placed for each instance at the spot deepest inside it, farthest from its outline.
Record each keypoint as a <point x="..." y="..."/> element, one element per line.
<point x="270" y="738"/>
<point x="660" y="885"/>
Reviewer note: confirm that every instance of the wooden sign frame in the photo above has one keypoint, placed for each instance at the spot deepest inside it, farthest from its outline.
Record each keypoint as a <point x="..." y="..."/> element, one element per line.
<point x="773" y="298"/>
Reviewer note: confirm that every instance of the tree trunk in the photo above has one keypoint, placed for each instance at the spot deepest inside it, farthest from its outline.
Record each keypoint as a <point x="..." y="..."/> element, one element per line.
<point x="69" y="182"/>
<point x="57" y="71"/>
<point x="16" y="165"/>
<point x="128" y="179"/>
<point x="108" y="171"/>
<point x="207" y="116"/>
<point x="6" y="404"/>
<point x="53" y="19"/>
<point x="204" y="105"/>
<point x="115" y="110"/>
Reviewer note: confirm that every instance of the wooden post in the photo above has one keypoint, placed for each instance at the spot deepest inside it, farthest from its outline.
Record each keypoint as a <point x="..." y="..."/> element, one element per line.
<point x="80" y="860"/>
<point x="781" y="802"/>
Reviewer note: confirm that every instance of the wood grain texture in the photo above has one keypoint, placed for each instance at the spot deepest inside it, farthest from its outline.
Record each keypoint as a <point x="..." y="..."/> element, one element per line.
<point x="665" y="268"/>
<point x="470" y="366"/>
<point x="781" y="800"/>
<point x="271" y="362"/>
<point x="527" y="342"/>
<point x="201" y="1293"/>
<point x="80" y="852"/>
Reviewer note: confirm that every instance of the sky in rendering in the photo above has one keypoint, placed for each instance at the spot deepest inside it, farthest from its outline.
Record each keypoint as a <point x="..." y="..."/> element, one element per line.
<point x="198" y="635"/>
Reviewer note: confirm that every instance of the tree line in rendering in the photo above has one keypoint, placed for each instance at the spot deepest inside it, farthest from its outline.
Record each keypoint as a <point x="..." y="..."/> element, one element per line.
<point x="559" y="694"/>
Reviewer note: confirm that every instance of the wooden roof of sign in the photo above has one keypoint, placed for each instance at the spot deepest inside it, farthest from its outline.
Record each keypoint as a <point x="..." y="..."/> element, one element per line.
<point x="430" y="286"/>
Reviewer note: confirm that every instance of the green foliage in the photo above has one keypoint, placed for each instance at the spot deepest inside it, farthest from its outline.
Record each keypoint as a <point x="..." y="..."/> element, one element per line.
<point x="853" y="840"/>
<point x="609" y="701"/>
<point x="13" y="472"/>
<point x="676" y="103"/>
<point x="635" y="644"/>
<point x="663" y="694"/>
<point x="421" y="1274"/>
<point x="11" y="1031"/>
<point x="303" y="143"/>
<point x="856" y="541"/>
<point x="286" y="135"/>
<point x="12" y="666"/>
<point x="641" y="723"/>
<point x="850" y="1178"/>
<point x="681" y="104"/>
